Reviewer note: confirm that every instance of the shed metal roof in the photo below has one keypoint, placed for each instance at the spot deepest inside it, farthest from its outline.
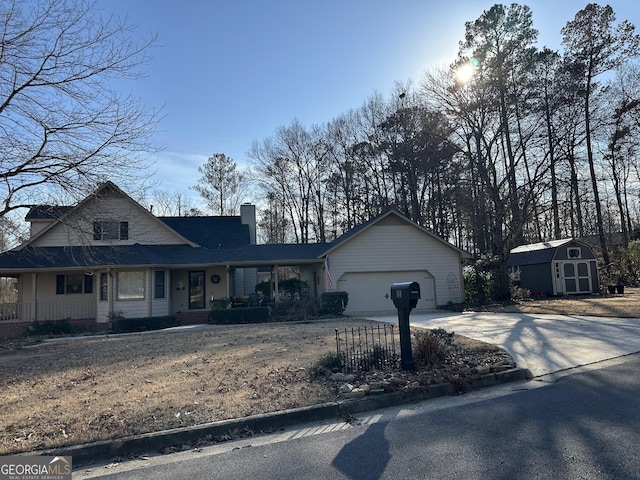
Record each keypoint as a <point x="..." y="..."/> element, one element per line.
<point x="535" y="253"/>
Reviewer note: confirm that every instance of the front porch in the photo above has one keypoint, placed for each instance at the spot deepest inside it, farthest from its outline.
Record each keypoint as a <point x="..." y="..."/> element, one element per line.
<point x="42" y="311"/>
<point x="15" y="318"/>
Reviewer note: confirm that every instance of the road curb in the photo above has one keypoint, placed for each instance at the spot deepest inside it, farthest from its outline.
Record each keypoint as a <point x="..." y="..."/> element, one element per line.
<point x="269" y="422"/>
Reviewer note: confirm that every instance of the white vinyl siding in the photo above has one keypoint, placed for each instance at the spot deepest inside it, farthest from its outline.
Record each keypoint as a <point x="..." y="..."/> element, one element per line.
<point x="400" y="247"/>
<point x="132" y="309"/>
<point x="143" y="228"/>
<point x="52" y="305"/>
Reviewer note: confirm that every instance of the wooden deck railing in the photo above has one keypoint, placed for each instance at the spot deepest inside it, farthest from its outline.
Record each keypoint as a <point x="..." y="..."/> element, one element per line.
<point x="43" y="311"/>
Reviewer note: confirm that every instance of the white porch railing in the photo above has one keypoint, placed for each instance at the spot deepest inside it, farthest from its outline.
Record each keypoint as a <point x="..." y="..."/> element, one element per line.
<point x="43" y="311"/>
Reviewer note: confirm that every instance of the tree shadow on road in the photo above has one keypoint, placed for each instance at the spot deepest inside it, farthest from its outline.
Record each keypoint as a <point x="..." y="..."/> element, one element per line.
<point x="365" y="457"/>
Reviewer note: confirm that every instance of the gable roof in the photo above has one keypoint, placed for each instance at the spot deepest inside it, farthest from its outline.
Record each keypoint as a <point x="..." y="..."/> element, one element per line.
<point x="64" y="211"/>
<point x="359" y="229"/>
<point x="47" y="212"/>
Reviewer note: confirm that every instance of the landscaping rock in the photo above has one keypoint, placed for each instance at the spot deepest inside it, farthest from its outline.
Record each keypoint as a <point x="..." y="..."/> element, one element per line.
<point x="399" y="382"/>
<point x="346" y="388"/>
<point x="355" y="393"/>
<point x="341" y="377"/>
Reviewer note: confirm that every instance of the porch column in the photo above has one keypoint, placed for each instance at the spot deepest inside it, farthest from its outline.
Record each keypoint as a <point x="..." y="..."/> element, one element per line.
<point x="276" y="280"/>
<point x="33" y="311"/>
<point x="110" y="292"/>
<point x="149" y="289"/>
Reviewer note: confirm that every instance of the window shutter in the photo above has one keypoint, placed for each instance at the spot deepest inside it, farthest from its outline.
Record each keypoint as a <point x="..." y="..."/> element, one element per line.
<point x="88" y="284"/>
<point x="59" y="284"/>
<point x="124" y="230"/>
<point x="159" y="284"/>
<point x="97" y="230"/>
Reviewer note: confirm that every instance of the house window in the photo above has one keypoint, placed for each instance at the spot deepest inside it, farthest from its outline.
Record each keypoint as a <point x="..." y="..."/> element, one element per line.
<point x="130" y="285"/>
<point x="75" y="283"/>
<point x="574" y="252"/>
<point x="196" y="290"/>
<point x="159" y="284"/>
<point x="104" y="286"/>
<point x="103" y="230"/>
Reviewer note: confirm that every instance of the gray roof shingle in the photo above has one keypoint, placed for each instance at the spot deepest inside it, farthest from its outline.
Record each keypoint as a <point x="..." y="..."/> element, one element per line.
<point x="211" y="232"/>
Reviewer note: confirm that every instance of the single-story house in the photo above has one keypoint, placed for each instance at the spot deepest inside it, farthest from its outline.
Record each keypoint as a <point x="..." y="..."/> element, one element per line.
<point x="556" y="267"/>
<point x="108" y="255"/>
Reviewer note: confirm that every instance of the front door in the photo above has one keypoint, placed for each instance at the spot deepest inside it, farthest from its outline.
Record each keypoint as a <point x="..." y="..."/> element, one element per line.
<point x="196" y="290"/>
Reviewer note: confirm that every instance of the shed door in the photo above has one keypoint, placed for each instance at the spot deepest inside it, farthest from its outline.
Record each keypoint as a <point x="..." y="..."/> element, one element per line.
<point x="574" y="277"/>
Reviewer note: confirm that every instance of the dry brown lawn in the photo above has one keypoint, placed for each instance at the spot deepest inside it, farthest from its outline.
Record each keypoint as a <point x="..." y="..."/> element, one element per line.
<point x="626" y="305"/>
<point x="76" y="391"/>
<point x="82" y="390"/>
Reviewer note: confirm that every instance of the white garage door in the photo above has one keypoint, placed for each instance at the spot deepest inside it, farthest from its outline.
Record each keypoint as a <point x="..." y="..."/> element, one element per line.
<point x="370" y="292"/>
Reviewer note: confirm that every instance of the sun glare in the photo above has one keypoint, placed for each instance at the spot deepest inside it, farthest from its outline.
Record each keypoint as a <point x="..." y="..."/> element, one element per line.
<point x="467" y="70"/>
<point x="464" y="73"/>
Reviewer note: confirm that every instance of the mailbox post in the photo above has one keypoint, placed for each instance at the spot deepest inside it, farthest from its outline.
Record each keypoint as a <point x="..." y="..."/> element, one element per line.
<point x="405" y="297"/>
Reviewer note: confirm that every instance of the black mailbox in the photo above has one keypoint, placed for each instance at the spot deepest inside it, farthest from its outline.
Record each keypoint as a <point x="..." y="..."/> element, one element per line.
<point x="405" y="295"/>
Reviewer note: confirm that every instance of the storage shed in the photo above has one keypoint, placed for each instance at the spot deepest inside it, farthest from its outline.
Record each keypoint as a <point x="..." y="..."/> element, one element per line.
<point x="556" y="267"/>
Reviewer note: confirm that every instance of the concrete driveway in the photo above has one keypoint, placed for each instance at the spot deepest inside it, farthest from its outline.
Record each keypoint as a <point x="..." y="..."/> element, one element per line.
<point x="542" y="343"/>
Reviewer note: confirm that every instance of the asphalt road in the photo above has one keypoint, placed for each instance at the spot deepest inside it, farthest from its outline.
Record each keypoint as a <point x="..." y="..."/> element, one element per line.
<point x="582" y="424"/>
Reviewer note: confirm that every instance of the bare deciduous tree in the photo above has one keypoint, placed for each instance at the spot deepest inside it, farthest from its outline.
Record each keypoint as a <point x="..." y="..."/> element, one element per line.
<point x="173" y="204"/>
<point x="63" y="126"/>
<point x="595" y="43"/>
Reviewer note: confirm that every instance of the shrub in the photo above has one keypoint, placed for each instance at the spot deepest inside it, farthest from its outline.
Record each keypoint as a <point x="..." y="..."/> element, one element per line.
<point x="126" y="325"/>
<point x="327" y="365"/>
<point x="334" y="303"/>
<point x="431" y="346"/>
<point x="239" y="301"/>
<point x="519" y="293"/>
<point x="221" y="304"/>
<point x="487" y="279"/>
<point x="232" y="316"/>
<point x="51" y="327"/>
<point x="264" y="288"/>
<point x="293" y="287"/>
<point x="294" y="310"/>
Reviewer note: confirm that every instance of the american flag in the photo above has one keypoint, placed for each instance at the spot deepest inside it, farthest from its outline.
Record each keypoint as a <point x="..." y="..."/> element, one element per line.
<point x="327" y="269"/>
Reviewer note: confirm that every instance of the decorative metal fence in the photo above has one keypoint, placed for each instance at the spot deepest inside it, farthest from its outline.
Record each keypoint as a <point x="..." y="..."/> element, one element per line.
<point x="367" y="348"/>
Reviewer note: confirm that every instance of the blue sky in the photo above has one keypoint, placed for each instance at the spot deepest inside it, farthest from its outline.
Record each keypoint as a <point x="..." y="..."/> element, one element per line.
<point x="227" y="73"/>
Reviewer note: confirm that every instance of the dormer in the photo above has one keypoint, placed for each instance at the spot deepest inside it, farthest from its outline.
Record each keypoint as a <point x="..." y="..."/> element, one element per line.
<point x="42" y="216"/>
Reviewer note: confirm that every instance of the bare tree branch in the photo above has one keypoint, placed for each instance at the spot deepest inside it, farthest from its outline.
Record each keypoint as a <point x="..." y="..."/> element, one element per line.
<point x="63" y="126"/>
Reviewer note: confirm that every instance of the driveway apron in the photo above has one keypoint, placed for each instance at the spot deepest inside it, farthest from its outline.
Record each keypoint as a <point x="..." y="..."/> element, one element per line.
<point x="542" y="343"/>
